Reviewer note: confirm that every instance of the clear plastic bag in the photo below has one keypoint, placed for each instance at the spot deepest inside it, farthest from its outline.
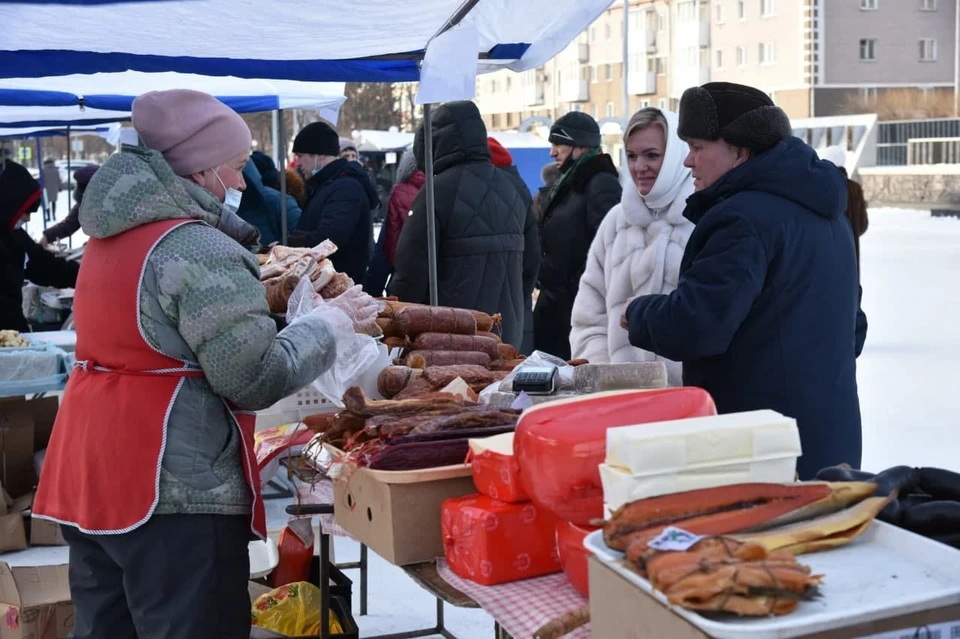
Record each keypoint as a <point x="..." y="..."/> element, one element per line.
<point x="37" y="368"/>
<point x="355" y="353"/>
<point x="537" y="358"/>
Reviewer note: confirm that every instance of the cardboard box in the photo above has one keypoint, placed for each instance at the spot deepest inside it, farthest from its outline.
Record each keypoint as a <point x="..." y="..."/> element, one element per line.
<point x="25" y="428"/>
<point x="620" y="610"/>
<point x="44" y="532"/>
<point x="35" y="602"/>
<point x="399" y="522"/>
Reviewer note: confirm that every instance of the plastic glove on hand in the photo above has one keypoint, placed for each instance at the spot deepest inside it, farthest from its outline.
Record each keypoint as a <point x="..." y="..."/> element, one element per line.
<point x="360" y="307"/>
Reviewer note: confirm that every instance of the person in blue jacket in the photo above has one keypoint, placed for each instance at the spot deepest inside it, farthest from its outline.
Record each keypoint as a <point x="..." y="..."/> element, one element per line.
<point x="260" y="205"/>
<point x="766" y="314"/>
<point x="340" y="201"/>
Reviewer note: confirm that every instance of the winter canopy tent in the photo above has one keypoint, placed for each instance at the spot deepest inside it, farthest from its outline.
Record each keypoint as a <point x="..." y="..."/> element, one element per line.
<point x="107" y="97"/>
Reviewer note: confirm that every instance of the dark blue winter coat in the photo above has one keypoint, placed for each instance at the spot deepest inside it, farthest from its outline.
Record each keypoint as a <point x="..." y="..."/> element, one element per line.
<point x="339" y="208"/>
<point x="260" y="206"/>
<point x="766" y="314"/>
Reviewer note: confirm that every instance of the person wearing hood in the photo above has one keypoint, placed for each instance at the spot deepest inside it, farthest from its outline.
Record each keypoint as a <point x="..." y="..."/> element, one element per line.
<point x="503" y="160"/>
<point x="348" y="150"/>
<point x="340" y="201"/>
<point x="588" y="187"/>
<point x="481" y="226"/>
<point x="71" y="223"/>
<point x="20" y="257"/>
<point x="261" y="205"/>
<point x="638" y="248"/>
<point x="151" y="468"/>
<point x="766" y="312"/>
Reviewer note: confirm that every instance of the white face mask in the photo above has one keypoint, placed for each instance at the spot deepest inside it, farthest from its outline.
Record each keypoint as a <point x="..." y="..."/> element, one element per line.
<point x="231" y="197"/>
<point x="316" y="169"/>
<point x="20" y="224"/>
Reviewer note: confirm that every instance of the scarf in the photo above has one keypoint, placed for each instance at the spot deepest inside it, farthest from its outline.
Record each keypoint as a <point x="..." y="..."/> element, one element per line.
<point x="567" y="175"/>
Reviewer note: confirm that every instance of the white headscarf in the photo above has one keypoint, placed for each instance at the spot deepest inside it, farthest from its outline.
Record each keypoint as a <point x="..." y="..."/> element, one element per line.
<point x="672" y="177"/>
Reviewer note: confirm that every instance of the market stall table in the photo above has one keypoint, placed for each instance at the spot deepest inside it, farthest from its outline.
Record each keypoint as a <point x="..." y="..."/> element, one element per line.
<point x="521" y="608"/>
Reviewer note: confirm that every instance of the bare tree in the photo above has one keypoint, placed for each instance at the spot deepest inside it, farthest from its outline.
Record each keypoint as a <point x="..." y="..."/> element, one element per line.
<point x="369" y="105"/>
<point x="904" y="104"/>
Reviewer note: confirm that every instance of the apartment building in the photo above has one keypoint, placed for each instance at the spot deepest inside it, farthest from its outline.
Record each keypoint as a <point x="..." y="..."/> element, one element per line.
<point x="767" y="44"/>
<point x="866" y="48"/>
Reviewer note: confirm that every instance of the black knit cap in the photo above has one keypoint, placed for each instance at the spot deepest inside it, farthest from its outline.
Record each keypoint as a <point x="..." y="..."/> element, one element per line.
<point x="19" y="194"/>
<point x="575" y="129"/>
<point x="317" y="138"/>
<point x="740" y="115"/>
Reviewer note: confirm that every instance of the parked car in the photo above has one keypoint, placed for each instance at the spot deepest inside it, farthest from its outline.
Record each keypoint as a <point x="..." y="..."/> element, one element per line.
<point x="74" y="165"/>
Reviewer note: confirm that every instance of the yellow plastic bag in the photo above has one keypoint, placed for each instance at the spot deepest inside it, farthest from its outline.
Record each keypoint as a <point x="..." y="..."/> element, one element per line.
<point x="292" y="610"/>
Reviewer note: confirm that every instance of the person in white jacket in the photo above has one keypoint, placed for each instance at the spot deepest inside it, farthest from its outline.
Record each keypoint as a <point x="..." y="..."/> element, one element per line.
<point x="638" y="248"/>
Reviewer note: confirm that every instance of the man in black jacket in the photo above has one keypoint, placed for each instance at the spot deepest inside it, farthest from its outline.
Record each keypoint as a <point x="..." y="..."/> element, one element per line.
<point x="573" y="208"/>
<point x="340" y="201"/>
<point x="20" y="257"/>
<point x="766" y="313"/>
<point x="482" y="234"/>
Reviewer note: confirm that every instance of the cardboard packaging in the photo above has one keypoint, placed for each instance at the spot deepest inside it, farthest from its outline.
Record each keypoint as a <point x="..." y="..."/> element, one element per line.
<point x="399" y="522"/>
<point x="493" y="542"/>
<point x="620" y="610"/>
<point x="44" y="532"/>
<point x="35" y="602"/>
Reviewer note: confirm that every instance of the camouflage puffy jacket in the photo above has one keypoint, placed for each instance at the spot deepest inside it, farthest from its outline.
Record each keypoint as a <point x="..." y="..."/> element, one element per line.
<point x="201" y="301"/>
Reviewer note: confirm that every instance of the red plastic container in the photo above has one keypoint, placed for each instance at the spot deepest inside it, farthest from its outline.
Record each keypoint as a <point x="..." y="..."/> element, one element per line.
<point x="558" y="446"/>
<point x="492" y="542"/>
<point x="497" y="475"/>
<point x="573" y="556"/>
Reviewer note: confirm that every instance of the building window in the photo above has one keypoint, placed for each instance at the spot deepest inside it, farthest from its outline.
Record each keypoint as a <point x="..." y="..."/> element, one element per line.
<point x="719" y="58"/>
<point x="742" y="9"/>
<point x="593" y="34"/>
<point x="609" y="109"/>
<point x="593" y="74"/>
<point x="606" y="32"/>
<point x="928" y="5"/>
<point x="594" y="110"/>
<point x="661" y="22"/>
<point x="507" y="81"/>
<point x="928" y="50"/>
<point x="662" y="103"/>
<point x="766" y="8"/>
<point x="644" y="104"/>
<point x="719" y="14"/>
<point x="768" y="52"/>
<point x="741" y="56"/>
<point x="609" y="72"/>
<point x="495" y="120"/>
<point x="868" y="50"/>
<point x="867" y="94"/>
<point x="868" y="5"/>
<point x="661" y="67"/>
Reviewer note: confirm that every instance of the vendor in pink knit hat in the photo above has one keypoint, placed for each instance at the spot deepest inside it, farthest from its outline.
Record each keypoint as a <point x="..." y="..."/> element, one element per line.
<point x="150" y="468"/>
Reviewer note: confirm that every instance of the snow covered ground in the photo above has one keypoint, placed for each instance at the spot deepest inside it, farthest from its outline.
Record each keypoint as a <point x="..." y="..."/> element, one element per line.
<point x="907" y="376"/>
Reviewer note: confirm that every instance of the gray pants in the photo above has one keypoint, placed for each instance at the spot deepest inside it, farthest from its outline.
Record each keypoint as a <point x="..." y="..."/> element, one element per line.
<point x="175" y="577"/>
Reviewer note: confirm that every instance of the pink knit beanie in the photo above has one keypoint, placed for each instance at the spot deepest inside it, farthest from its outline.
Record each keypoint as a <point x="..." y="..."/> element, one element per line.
<point x="194" y="130"/>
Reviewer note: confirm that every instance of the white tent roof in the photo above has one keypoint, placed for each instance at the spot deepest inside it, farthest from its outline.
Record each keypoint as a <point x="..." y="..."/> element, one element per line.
<point x="362" y="40"/>
<point x="516" y="140"/>
<point x="372" y="140"/>
<point x="106" y="97"/>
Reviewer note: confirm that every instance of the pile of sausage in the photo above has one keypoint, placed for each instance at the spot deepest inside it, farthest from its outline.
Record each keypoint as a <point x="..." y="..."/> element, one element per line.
<point x="928" y="499"/>
<point x="441" y="336"/>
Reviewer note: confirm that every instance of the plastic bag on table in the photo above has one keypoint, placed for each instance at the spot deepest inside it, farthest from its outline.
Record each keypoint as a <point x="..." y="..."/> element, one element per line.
<point x="537" y="358"/>
<point x="292" y="610"/>
<point x="355" y="353"/>
<point x="36" y="368"/>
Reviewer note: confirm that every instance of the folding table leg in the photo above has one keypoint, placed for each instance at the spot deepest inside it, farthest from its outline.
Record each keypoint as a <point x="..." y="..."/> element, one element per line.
<point x="363" y="579"/>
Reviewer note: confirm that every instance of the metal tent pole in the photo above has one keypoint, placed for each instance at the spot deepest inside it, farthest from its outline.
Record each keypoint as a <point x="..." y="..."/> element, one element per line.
<point x="69" y="172"/>
<point x="626" y="83"/>
<point x="43" y="188"/>
<point x="275" y="135"/>
<point x="282" y="167"/>
<point x="431" y="204"/>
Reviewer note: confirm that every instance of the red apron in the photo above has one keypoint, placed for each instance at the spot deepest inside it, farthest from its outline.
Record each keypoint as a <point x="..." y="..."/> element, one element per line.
<point x="101" y="473"/>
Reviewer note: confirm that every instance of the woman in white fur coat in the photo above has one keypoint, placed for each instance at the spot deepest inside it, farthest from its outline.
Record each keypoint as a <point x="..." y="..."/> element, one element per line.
<point x="638" y="247"/>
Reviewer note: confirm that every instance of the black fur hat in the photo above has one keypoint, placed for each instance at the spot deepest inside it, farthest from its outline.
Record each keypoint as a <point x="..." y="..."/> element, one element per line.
<point x="576" y="129"/>
<point x="740" y="115"/>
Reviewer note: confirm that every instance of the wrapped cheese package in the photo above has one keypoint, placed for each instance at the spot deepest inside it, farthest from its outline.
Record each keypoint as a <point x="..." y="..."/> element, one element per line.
<point x="492" y="542"/>
<point x="573" y="555"/>
<point x="495" y="470"/>
<point x="559" y="446"/>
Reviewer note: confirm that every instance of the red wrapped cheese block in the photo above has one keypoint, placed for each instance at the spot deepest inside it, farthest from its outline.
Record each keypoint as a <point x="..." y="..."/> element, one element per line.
<point x="573" y="556"/>
<point x="559" y="445"/>
<point x="495" y="470"/>
<point x="492" y="542"/>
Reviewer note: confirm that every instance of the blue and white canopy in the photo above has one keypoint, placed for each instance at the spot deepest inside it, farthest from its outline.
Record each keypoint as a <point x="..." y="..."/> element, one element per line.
<point x="352" y="40"/>
<point x="107" y="97"/>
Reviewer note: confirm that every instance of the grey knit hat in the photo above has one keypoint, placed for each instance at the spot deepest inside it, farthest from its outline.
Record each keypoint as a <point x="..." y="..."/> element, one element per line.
<point x="740" y="115"/>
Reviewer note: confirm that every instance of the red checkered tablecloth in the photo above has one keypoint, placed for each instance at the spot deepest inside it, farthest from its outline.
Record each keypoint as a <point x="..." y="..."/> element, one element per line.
<point x="522" y="607"/>
<point x="321" y="492"/>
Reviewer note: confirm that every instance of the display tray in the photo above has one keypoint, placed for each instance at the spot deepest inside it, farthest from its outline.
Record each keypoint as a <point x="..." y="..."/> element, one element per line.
<point x="410" y="476"/>
<point x="887" y="572"/>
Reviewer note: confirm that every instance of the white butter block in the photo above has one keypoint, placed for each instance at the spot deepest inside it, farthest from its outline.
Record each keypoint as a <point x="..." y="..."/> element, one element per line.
<point x="703" y="442"/>
<point x="620" y="487"/>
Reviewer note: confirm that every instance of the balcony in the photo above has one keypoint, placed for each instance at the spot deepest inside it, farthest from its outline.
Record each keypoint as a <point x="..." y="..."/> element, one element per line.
<point x="650" y="41"/>
<point x="583" y="53"/>
<point x="575" y="91"/>
<point x="532" y="87"/>
<point x="704" y="33"/>
<point x="704" y="75"/>
<point x="642" y="82"/>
